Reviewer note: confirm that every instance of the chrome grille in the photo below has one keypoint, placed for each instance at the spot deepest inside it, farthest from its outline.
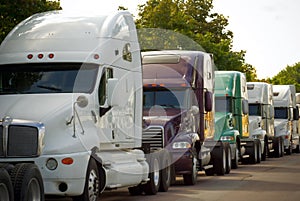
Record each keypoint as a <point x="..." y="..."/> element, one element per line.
<point x="154" y="137"/>
<point x="22" y="141"/>
<point x="21" y="138"/>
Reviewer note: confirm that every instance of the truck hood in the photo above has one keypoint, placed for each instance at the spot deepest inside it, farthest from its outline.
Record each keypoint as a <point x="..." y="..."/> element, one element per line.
<point x="35" y="107"/>
<point x="255" y="126"/>
<point x="53" y="110"/>
<point x="160" y="116"/>
<point x="221" y="123"/>
<point x="281" y="127"/>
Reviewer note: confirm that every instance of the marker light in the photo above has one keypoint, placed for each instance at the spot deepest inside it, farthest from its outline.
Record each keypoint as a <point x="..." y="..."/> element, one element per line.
<point x="29" y="56"/>
<point x="96" y="56"/>
<point x="51" y="56"/>
<point x="67" y="161"/>
<point x="40" y="56"/>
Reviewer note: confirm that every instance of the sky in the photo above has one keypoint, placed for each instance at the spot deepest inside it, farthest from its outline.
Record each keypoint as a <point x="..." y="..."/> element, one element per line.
<point x="268" y="30"/>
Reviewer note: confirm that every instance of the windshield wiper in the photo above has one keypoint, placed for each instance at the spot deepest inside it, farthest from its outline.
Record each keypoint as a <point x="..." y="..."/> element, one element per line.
<point x="51" y="88"/>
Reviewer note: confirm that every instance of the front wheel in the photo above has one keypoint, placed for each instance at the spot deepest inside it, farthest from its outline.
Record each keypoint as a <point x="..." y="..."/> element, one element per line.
<point x="258" y="146"/>
<point x="152" y="186"/>
<point x="91" y="187"/>
<point x="28" y="183"/>
<point x="235" y="161"/>
<point x="165" y="172"/>
<point x="219" y="160"/>
<point x="191" y="179"/>
<point x="228" y="158"/>
<point x="6" y="187"/>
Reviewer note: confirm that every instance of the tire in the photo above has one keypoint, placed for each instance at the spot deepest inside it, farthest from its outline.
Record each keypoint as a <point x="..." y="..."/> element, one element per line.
<point x="135" y="190"/>
<point x="289" y="150"/>
<point x="28" y="183"/>
<point x="6" y="187"/>
<point x="235" y="161"/>
<point x="165" y="172"/>
<point x="152" y="186"/>
<point x="219" y="160"/>
<point x="297" y="149"/>
<point x="191" y="179"/>
<point x="92" y="183"/>
<point x="252" y="151"/>
<point x="281" y="147"/>
<point x="258" y="146"/>
<point x="264" y="155"/>
<point x="228" y="158"/>
<point x="277" y="147"/>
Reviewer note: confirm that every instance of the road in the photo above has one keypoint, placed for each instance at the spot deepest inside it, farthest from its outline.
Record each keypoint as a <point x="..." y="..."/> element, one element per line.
<point x="277" y="179"/>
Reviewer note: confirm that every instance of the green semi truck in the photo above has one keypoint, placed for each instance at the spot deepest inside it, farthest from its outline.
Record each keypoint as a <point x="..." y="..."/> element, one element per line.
<point x="232" y="118"/>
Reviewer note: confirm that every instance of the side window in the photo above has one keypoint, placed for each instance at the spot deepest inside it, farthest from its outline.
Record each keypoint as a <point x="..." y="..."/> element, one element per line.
<point x="102" y="93"/>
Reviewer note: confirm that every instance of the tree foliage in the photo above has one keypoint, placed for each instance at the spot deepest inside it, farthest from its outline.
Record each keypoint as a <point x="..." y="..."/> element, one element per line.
<point x="289" y="75"/>
<point x="194" y="19"/>
<point x="14" y="11"/>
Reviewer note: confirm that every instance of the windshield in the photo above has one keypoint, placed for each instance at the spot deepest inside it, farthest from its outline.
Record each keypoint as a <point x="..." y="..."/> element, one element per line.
<point x="281" y="113"/>
<point x="164" y="98"/>
<point x="223" y="104"/>
<point x="255" y="110"/>
<point x="47" y="78"/>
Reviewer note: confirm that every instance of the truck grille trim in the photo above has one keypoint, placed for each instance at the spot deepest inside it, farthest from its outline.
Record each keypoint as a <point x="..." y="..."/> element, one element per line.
<point x="154" y="137"/>
<point x="19" y="141"/>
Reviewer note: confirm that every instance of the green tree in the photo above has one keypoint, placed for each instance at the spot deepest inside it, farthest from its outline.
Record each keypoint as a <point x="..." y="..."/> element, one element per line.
<point x="194" y="19"/>
<point x="289" y="75"/>
<point x="14" y="11"/>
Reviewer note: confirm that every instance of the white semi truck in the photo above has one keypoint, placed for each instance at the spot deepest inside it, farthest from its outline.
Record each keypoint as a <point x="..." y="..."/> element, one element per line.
<point x="284" y="97"/>
<point x="71" y="103"/>
<point x="261" y="114"/>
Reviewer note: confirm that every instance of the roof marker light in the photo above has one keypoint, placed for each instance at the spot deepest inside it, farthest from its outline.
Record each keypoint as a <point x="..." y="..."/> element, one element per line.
<point x="51" y="56"/>
<point x="29" y="56"/>
<point x="40" y="56"/>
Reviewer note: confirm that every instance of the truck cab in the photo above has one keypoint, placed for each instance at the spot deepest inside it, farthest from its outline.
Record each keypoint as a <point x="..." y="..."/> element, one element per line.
<point x="232" y="117"/>
<point x="284" y="106"/>
<point x="71" y="90"/>
<point x="261" y="110"/>
<point x="179" y="110"/>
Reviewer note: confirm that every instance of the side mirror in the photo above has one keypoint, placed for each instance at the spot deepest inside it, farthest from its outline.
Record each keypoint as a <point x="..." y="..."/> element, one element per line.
<point x="245" y="106"/>
<point x="296" y="113"/>
<point x="194" y="110"/>
<point x="112" y="92"/>
<point x="208" y="101"/>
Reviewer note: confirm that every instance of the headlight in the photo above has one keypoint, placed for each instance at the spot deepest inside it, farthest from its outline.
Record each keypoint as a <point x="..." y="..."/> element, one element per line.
<point x="181" y="145"/>
<point x="51" y="164"/>
<point x="227" y="138"/>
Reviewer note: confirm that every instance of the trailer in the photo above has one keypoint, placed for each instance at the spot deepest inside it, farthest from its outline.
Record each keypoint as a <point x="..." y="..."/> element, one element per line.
<point x="71" y="104"/>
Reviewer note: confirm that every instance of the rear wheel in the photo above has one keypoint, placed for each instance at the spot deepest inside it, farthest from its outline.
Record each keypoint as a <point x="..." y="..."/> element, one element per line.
<point x="91" y="188"/>
<point x="27" y="181"/>
<point x="6" y="187"/>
